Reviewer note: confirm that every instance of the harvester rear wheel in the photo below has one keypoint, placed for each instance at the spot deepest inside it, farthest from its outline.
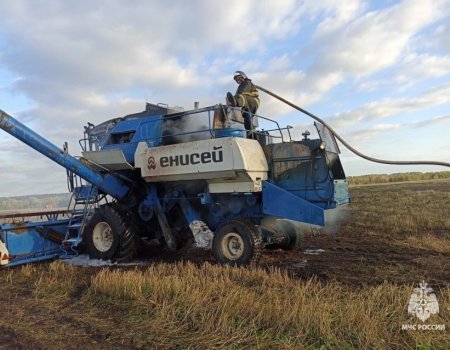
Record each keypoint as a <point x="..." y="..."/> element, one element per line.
<point x="238" y="242"/>
<point x="109" y="234"/>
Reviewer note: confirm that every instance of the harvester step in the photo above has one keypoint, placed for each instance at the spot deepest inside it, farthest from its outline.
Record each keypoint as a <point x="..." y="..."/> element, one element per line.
<point x="77" y="211"/>
<point x="72" y="242"/>
<point x="78" y="225"/>
<point x="84" y="201"/>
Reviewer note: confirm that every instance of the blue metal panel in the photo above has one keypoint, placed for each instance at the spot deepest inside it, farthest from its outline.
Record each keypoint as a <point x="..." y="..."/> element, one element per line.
<point x="150" y="130"/>
<point x="33" y="241"/>
<point x="49" y="255"/>
<point x="85" y="193"/>
<point x="147" y="129"/>
<point x="281" y="203"/>
<point x="126" y="126"/>
<point x="302" y="169"/>
<point x="229" y="132"/>
<point x="223" y="207"/>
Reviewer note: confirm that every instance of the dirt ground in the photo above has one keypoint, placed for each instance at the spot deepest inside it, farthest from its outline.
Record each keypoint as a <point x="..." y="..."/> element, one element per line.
<point x="351" y="259"/>
<point x="369" y="246"/>
<point x="351" y="251"/>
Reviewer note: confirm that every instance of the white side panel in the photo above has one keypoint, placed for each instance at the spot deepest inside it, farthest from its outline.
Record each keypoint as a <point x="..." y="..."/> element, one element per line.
<point x="234" y="186"/>
<point x="220" y="161"/>
<point x="112" y="159"/>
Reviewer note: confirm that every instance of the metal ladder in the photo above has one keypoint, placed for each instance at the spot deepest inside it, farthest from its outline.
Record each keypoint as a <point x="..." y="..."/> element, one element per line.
<point x="81" y="206"/>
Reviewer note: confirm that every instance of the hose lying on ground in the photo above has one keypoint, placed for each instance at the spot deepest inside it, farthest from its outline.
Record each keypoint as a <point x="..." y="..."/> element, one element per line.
<point x="383" y="161"/>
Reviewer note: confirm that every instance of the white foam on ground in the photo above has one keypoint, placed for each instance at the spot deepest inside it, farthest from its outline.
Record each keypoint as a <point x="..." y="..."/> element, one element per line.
<point x="313" y="251"/>
<point x="84" y="260"/>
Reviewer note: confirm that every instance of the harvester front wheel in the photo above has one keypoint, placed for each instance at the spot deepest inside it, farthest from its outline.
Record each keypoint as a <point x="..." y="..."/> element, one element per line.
<point x="238" y="242"/>
<point x="110" y="235"/>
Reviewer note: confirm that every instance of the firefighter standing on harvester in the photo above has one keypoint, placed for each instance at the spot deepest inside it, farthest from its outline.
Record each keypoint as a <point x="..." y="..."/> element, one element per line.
<point x="246" y="97"/>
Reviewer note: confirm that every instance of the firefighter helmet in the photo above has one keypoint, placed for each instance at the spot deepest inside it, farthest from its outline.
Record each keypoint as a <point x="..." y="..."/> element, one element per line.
<point x="240" y="73"/>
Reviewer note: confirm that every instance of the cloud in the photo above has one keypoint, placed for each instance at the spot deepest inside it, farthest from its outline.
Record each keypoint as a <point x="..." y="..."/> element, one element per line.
<point x="440" y="39"/>
<point x="287" y="84"/>
<point x="391" y="107"/>
<point x="74" y="65"/>
<point x="370" y="43"/>
<point x="349" y="44"/>
<point x="416" y="67"/>
<point x="339" y="14"/>
<point x="156" y="49"/>
<point x="25" y="171"/>
<point x="363" y="135"/>
<point x="75" y="62"/>
<point x="445" y="119"/>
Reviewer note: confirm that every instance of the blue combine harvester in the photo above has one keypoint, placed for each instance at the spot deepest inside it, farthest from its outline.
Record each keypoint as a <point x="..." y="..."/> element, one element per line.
<point x="180" y="177"/>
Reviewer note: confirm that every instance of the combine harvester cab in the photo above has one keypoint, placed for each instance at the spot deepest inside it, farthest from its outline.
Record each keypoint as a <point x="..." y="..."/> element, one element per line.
<point x="151" y="175"/>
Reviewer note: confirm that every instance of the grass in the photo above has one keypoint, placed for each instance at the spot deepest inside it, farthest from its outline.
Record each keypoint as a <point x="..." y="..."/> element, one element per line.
<point x="183" y="305"/>
<point x="401" y="235"/>
<point x="400" y="212"/>
<point x="221" y="307"/>
<point x="430" y="242"/>
<point x="397" y="177"/>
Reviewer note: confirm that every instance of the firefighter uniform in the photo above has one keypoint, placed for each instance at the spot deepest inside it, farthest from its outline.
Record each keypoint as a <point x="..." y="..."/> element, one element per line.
<point x="247" y="98"/>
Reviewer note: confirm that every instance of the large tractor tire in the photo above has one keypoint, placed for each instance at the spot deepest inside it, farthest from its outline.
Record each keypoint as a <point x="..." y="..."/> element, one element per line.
<point x="238" y="242"/>
<point x="110" y="235"/>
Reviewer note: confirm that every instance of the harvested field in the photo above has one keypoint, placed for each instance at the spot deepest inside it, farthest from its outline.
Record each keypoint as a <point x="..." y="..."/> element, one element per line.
<point x="346" y="288"/>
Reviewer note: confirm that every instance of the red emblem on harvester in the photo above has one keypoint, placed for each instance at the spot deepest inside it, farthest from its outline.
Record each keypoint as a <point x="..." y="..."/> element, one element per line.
<point x="151" y="164"/>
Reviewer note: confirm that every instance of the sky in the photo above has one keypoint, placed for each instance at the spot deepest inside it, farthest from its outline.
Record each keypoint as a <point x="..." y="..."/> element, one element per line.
<point x="377" y="71"/>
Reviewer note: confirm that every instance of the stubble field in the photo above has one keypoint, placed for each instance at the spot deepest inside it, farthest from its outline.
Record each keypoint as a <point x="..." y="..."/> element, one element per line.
<point x="345" y="288"/>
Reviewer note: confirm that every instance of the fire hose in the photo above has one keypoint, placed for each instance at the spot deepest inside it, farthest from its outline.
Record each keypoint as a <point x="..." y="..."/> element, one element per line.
<point x="352" y="149"/>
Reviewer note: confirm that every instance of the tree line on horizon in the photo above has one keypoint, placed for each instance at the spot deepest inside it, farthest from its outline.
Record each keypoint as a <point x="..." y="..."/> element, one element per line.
<point x="397" y="177"/>
<point x="42" y="201"/>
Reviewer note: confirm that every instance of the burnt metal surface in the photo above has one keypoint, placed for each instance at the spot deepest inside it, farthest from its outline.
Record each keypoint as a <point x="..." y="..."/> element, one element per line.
<point x="285" y="156"/>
